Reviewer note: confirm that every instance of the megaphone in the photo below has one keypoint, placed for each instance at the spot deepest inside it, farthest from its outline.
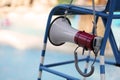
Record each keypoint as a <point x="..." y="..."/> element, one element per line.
<point x="61" y="31"/>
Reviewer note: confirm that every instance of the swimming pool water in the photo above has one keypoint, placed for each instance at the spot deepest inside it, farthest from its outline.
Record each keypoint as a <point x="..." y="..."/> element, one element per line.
<point x="23" y="65"/>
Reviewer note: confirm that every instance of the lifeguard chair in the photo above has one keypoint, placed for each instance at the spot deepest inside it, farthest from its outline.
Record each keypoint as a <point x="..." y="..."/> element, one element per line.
<point x="107" y="16"/>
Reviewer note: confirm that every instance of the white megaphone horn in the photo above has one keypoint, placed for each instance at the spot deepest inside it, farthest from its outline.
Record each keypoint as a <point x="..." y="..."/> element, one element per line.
<point x="61" y="31"/>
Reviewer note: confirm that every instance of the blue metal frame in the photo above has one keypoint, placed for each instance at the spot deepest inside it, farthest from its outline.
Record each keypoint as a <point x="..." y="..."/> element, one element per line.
<point x="107" y="16"/>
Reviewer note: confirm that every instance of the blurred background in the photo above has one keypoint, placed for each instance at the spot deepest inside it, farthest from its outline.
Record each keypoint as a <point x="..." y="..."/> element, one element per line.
<point x="22" y="28"/>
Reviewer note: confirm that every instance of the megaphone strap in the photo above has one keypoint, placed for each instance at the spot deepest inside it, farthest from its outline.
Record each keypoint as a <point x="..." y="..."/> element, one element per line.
<point x="67" y="9"/>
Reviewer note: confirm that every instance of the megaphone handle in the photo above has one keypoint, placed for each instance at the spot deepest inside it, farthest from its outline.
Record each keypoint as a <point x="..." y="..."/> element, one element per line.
<point x="79" y="70"/>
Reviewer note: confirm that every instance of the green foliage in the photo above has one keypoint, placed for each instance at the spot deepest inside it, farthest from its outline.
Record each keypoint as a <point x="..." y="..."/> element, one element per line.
<point x="64" y="1"/>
